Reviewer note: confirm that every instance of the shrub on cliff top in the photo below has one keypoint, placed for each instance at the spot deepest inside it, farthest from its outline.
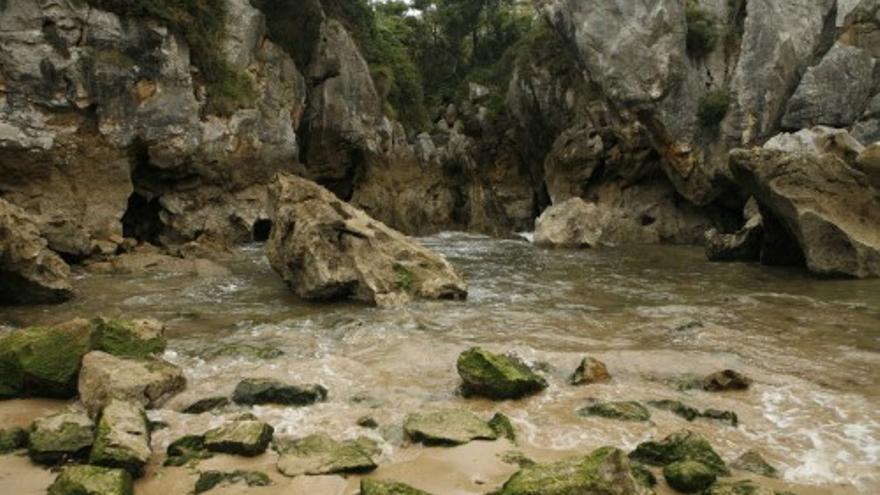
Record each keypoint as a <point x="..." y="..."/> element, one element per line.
<point x="702" y="31"/>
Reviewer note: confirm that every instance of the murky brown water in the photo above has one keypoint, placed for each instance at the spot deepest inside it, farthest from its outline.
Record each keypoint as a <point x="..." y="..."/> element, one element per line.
<point x="813" y="347"/>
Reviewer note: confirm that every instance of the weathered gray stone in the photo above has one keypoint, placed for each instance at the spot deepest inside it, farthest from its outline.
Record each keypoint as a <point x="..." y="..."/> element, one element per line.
<point x="447" y="427"/>
<point x="247" y="437"/>
<point x="148" y="382"/>
<point x="123" y="438"/>
<point x="590" y="370"/>
<point x="319" y="454"/>
<point x="68" y="434"/>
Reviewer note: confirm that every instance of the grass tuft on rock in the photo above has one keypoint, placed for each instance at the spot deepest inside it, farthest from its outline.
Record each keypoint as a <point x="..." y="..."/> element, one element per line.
<point x="702" y="31"/>
<point x="713" y="107"/>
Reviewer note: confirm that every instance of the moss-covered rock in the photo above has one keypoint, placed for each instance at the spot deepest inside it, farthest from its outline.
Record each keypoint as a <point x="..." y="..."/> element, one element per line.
<point x="253" y="391"/>
<point x="12" y="439"/>
<point x="65" y="435"/>
<point x="726" y="380"/>
<point x="502" y="427"/>
<point x="494" y="376"/>
<point x="728" y="417"/>
<point x="123" y="338"/>
<point x="208" y="480"/>
<point x="92" y="480"/>
<point x="42" y="361"/>
<point x="643" y="475"/>
<point x="247" y="437"/>
<point x="123" y="438"/>
<point x="590" y="370"/>
<point x="187" y="450"/>
<point x="606" y="470"/>
<point x="207" y="404"/>
<point x="676" y="407"/>
<point x="447" y="427"/>
<point x="742" y="487"/>
<point x="319" y="454"/>
<point x="240" y="350"/>
<point x="386" y="487"/>
<point x="689" y="476"/>
<point x="623" y="411"/>
<point x="516" y="458"/>
<point x="680" y="446"/>
<point x="753" y="462"/>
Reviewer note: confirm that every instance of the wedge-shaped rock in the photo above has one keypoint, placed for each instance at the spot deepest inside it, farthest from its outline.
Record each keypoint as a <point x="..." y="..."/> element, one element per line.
<point x="254" y="391"/>
<point x="494" y="376"/>
<point x="319" y="454"/>
<point x="590" y="370"/>
<point x="448" y="427"/>
<point x="386" y="487"/>
<point x="828" y="209"/>
<point x="148" y="382"/>
<point x="247" y="437"/>
<point x="326" y="249"/>
<point x="605" y="470"/>
<point x="122" y="338"/>
<point x="92" y="480"/>
<point x="42" y="361"/>
<point x="68" y="434"/>
<point x="29" y="272"/>
<point x="680" y="446"/>
<point x="123" y="438"/>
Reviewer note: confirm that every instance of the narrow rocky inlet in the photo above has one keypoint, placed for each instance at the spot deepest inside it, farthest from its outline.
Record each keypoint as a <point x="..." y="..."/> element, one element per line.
<point x="442" y="247"/>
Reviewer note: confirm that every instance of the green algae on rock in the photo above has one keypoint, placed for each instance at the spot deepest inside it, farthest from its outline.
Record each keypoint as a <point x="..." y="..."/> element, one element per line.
<point x="92" y="480"/>
<point x="502" y="427"/>
<point x="728" y="417"/>
<point x="689" y="476"/>
<point x="208" y="480"/>
<point x="387" y="487"/>
<point x="516" y="458"/>
<point x="207" y="404"/>
<point x="255" y="391"/>
<point x="68" y="434"/>
<point x="623" y="411"/>
<point x="643" y="475"/>
<point x="741" y="487"/>
<point x="448" y="427"/>
<point x="123" y="338"/>
<point x="246" y="437"/>
<point x="319" y="454"/>
<point x="12" y="439"/>
<point x="494" y="376"/>
<point x="675" y="407"/>
<point x="123" y="438"/>
<point x="240" y="350"/>
<point x="605" y="470"/>
<point x="753" y="462"/>
<point x="42" y="361"/>
<point x="187" y="450"/>
<point x="680" y="446"/>
<point x="590" y="370"/>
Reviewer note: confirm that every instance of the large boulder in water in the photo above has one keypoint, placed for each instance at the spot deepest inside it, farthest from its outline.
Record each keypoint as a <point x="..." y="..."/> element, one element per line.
<point x="605" y="470"/>
<point x="826" y="208"/>
<point x="572" y="223"/>
<point x="148" y="382"/>
<point x="42" y="361"/>
<point x="494" y="376"/>
<point x="327" y="249"/>
<point x="29" y="272"/>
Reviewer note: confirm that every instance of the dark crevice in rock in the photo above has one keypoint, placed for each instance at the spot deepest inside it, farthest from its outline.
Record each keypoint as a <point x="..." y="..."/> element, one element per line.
<point x="261" y="230"/>
<point x="141" y="220"/>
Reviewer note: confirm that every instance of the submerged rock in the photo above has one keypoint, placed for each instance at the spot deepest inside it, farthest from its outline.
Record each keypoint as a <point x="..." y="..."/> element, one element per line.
<point x="123" y="438"/>
<point x="689" y="476"/>
<point x="29" y="272"/>
<point x="676" y="407"/>
<point x="326" y="249"/>
<point x="255" y="391"/>
<point x="387" y="487"/>
<point x="590" y="370"/>
<point x="92" y="480"/>
<point x="42" y="361"/>
<point x="246" y="437"/>
<point x="493" y="376"/>
<point x="319" y="454"/>
<point x="742" y="487"/>
<point x="186" y="450"/>
<point x="726" y="380"/>
<point x="623" y="411"/>
<point x="753" y="462"/>
<point x="12" y="439"/>
<point x="572" y="223"/>
<point x="237" y="350"/>
<point x="516" y="458"/>
<point x="68" y="434"/>
<point x="448" y="427"/>
<point x="680" y="446"/>
<point x="728" y="417"/>
<point x="825" y="207"/>
<point x="606" y="470"/>
<point x="208" y="404"/>
<point x="134" y="339"/>
<point x="208" y="480"/>
<point x="148" y="382"/>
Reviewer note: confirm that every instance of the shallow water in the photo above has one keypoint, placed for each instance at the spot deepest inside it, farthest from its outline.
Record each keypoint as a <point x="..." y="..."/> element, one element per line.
<point x="812" y="346"/>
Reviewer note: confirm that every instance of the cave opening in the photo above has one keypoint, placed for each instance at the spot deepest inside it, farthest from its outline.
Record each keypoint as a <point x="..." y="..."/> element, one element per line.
<point x="261" y="230"/>
<point x="141" y="220"/>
